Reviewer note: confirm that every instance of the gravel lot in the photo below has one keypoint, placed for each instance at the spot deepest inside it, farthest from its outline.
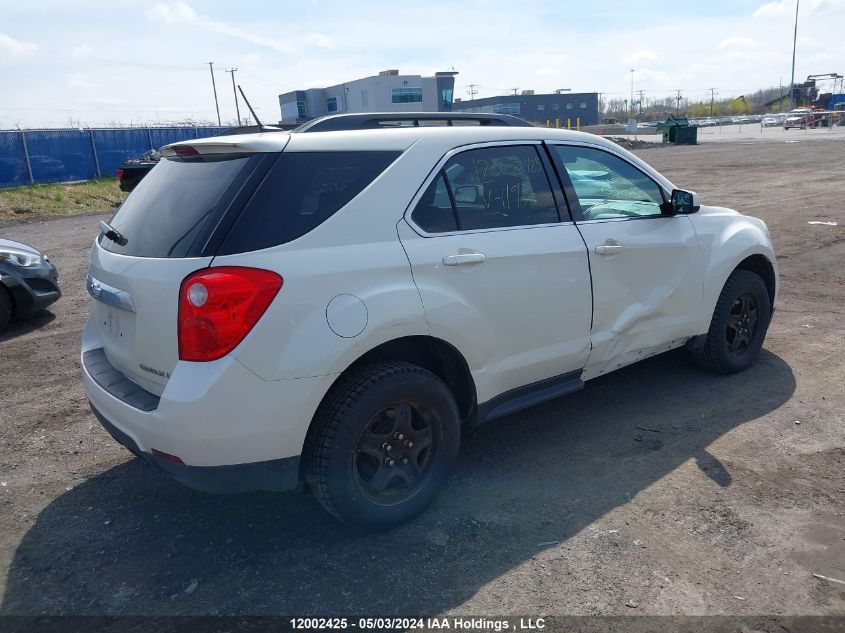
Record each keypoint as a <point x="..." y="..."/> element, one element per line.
<point x="568" y="508"/>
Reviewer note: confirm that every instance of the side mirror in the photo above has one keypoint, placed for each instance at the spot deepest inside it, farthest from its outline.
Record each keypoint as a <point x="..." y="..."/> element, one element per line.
<point x="467" y="194"/>
<point x="684" y="201"/>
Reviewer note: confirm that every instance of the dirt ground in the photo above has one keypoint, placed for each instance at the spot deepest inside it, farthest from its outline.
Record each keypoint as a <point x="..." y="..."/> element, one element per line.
<point x="728" y="508"/>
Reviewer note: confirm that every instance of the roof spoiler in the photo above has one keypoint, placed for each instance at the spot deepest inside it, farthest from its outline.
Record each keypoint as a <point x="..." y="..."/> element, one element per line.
<point x="388" y="120"/>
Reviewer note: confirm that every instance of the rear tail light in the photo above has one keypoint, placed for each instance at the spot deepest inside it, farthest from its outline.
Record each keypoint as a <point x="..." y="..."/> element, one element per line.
<point x="219" y="306"/>
<point x="185" y="150"/>
<point x="119" y="175"/>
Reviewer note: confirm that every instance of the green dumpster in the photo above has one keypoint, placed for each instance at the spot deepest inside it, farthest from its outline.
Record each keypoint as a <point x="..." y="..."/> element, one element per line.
<point x="678" y="131"/>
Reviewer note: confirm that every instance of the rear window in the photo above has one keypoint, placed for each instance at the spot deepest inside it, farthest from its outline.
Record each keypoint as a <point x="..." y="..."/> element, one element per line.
<point x="178" y="204"/>
<point x="300" y="192"/>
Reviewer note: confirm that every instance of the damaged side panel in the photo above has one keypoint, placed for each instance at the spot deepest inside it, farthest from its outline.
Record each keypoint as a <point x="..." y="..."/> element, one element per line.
<point x="648" y="294"/>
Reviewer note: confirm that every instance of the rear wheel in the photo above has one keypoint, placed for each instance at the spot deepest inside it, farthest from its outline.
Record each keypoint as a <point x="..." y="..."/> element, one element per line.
<point x="384" y="443"/>
<point x="5" y="309"/>
<point x="739" y="324"/>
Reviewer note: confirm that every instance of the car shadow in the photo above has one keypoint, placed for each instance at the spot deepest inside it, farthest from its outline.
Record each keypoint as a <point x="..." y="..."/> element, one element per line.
<point x="20" y="327"/>
<point x="130" y="541"/>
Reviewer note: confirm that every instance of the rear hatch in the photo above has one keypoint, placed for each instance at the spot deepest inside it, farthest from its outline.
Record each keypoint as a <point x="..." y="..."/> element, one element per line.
<point x="169" y="226"/>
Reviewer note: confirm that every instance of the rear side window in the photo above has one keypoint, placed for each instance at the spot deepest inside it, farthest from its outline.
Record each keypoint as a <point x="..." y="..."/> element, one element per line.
<point x="488" y="188"/>
<point x="177" y="205"/>
<point x="300" y="192"/>
<point x="434" y="212"/>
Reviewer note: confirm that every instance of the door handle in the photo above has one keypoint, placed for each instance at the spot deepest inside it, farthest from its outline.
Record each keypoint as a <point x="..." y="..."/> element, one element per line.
<point x="462" y="259"/>
<point x="608" y="249"/>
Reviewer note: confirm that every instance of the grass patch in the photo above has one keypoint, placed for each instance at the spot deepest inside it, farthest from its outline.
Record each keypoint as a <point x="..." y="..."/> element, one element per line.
<point x="60" y="199"/>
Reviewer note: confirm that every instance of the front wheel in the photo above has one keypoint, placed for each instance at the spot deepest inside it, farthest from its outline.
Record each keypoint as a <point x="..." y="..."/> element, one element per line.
<point x="739" y="324"/>
<point x="383" y="445"/>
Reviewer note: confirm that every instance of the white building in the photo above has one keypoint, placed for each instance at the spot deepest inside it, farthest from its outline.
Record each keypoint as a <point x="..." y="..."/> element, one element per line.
<point x="386" y="92"/>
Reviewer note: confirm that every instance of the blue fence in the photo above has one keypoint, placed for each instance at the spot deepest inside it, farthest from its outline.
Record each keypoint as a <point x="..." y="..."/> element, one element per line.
<point x="39" y="156"/>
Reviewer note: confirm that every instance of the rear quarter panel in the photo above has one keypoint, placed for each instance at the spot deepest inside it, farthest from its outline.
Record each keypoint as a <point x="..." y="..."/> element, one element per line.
<point x="355" y="252"/>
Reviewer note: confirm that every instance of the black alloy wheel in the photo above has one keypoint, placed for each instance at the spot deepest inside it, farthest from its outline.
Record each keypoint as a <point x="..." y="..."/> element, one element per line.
<point x="394" y="453"/>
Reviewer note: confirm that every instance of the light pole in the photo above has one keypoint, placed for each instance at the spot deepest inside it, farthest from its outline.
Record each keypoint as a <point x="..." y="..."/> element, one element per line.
<point x="214" y="85"/>
<point x="237" y="108"/>
<point x="794" y="43"/>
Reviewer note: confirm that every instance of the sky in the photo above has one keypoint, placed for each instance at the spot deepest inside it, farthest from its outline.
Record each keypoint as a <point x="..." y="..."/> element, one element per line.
<point x="92" y="62"/>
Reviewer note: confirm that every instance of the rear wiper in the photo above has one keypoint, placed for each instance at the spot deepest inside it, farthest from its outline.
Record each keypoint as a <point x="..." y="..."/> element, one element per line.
<point x="112" y="233"/>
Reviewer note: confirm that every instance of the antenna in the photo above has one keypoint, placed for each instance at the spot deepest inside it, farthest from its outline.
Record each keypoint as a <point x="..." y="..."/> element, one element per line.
<point x="261" y="127"/>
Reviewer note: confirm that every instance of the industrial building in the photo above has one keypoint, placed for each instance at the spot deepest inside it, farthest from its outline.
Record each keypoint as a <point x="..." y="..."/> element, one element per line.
<point x="561" y="107"/>
<point x="386" y="92"/>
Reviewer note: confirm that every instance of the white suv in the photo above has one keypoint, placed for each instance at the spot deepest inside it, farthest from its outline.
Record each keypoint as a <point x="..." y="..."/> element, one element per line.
<point x="328" y="309"/>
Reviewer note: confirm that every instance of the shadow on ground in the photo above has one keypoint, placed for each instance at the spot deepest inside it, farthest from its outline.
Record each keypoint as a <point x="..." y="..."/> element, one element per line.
<point x="129" y="541"/>
<point x="19" y="327"/>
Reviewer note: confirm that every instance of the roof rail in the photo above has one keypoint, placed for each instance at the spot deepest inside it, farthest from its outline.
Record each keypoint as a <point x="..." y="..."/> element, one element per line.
<point x="388" y="120"/>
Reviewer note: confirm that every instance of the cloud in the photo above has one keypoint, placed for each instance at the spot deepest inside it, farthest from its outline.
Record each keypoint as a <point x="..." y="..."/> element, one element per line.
<point x="81" y="51"/>
<point x="320" y="40"/>
<point x="736" y="41"/>
<point x="79" y="80"/>
<point x="640" y="56"/>
<point x="545" y="71"/>
<point x="778" y="8"/>
<point x="182" y="13"/>
<point x="172" y="13"/>
<point x="16" y="48"/>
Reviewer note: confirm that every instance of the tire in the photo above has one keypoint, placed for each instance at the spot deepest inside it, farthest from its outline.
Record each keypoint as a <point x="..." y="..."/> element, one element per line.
<point x="361" y="460"/>
<point x="738" y="328"/>
<point x="5" y="308"/>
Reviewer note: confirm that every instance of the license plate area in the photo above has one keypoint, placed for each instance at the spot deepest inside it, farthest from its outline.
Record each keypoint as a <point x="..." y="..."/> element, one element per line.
<point x="117" y="328"/>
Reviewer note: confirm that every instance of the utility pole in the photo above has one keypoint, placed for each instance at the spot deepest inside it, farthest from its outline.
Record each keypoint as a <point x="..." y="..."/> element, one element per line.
<point x="472" y="90"/>
<point x="632" y="94"/>
<point x="677" y="102"/>
<point x="712" y="97"/>
<point x="794" y="43"/>
<point x="515" y="90"/>
<point x="214" y="85"/>
<point x="641" y="92"/>
<point x="237" y="109"/>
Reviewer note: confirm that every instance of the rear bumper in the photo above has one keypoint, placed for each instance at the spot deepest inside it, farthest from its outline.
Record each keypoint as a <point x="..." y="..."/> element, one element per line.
<point x="232" y="430"/>
<point x="277" y="474"/>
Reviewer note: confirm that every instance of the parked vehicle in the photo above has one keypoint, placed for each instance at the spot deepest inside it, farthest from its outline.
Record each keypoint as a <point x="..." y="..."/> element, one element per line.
<point x="131" y="172"/>
<point x="28" y="281"/>
<point x="328" y="310"/>
<point x="802" y="118"/>
<point x="773" y="120"/>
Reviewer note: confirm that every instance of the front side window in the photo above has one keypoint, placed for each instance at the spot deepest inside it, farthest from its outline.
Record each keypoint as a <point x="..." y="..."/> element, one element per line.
<point x="608" y="187"/>
<point x="406" y="95"/>
<point x="491" y="187"/>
